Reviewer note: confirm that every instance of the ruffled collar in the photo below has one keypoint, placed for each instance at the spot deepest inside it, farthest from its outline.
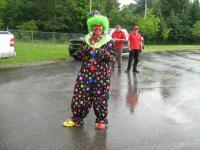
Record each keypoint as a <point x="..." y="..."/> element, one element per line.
<point x="106" y="38"/>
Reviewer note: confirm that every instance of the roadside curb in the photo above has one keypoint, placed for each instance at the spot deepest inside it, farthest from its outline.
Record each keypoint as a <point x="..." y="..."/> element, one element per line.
<point x="31" y="64"/>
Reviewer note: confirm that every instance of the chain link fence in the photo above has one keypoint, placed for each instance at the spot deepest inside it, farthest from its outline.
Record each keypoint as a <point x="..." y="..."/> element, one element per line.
<point x="39" y="36"/>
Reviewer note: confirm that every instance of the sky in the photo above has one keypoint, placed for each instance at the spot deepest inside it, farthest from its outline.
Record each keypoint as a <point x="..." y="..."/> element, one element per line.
<point x="125" y="2"/>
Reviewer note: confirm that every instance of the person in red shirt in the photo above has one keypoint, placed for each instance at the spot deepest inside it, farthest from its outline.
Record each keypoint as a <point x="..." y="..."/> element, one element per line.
<point x="135" y="46"/>
<point x="119" y="39"/>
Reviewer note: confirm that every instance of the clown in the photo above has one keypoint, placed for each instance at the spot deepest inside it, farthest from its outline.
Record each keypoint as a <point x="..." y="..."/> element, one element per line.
<point x="93" y="81"/>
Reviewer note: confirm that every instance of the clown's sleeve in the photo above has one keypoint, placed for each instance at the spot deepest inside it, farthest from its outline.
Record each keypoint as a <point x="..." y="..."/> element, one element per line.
<point x="80" y="54"/>
<point x="113" y="49"/>
<point x="109" y="52"/>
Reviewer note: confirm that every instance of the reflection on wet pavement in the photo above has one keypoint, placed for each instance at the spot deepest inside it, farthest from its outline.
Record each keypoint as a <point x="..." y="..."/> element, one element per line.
<point x="159" y="108"/>
<point x="133" y="93"/>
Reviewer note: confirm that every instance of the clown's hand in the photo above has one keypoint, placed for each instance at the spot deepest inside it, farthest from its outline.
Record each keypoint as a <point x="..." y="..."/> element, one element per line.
<point x="113" y="53"/>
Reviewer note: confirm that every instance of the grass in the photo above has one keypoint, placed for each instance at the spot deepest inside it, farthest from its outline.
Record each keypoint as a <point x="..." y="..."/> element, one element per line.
<point x="36" y="52"/>
<point x="40" y="52"/>
<point x="170" y="47"/>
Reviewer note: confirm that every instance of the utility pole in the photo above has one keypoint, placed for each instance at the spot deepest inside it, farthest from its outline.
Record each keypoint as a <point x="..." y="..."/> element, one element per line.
<point x="145" y="9"/>
<point x="90" y="6"/>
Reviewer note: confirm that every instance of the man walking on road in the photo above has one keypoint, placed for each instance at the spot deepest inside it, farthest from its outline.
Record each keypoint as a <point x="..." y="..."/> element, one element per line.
<point x="119" y="39"/>
<point x="135" y="46"/>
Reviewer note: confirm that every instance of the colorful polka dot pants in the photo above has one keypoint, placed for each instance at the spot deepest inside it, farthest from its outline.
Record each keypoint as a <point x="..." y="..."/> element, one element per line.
<point x="91" y="88"/>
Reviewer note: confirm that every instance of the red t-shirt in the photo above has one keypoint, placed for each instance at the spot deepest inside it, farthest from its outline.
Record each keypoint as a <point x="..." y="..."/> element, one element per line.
<point x="119" y="35"/>
<point x="135" y="41"/>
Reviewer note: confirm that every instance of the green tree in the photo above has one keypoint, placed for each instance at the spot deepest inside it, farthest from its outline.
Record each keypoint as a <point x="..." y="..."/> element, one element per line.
<point x="196" y="31"/>
<point x="129" y="18"/>
<point x="140" y="6"/>
<point x="29" y="26"/>
<point x="156" y="7"/>
<point x="176" y="15"/>
<point x="75" y="17"/>
<point x="174" y="22"/>
<point x="178" y="6"/>
<point x="58" y="15"/>
<point x="149" y="26"/>
<point x="115" y="17"/>
<point x="195" y="12"/>
<point x="3" y="4"/>
<point x="163" y="33"/>
<point x="99" y="6"/>
<point x="108" y="4"/>
<point x="105" y="7"/>
<point x="9" y="14"/>
<point x="179" y="25"/>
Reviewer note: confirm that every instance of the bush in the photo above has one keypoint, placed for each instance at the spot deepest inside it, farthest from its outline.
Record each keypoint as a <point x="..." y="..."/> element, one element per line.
<point x="196" y="31"/>
<point x="27" y="26"/>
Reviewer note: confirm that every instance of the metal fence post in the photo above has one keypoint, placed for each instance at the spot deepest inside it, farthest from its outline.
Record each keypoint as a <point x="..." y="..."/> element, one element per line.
<point x="32" y="37"/>
<point x="53" y="37"/>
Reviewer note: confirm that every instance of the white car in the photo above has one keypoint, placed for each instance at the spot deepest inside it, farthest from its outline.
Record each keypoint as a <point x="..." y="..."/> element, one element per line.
<point x="7" y="44"/>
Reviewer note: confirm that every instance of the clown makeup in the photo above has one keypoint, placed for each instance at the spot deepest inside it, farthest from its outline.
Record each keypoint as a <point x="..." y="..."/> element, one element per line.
<point x="98" y="29"/>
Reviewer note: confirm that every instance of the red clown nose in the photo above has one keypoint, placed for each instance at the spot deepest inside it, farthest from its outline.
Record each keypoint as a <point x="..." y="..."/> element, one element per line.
<point x="98" y="29"/>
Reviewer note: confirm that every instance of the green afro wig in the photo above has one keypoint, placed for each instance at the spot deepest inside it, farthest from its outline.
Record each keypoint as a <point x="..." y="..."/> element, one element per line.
<point x="98" y="20"/>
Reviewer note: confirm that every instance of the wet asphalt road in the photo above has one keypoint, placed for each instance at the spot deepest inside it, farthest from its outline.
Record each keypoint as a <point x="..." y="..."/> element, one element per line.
<point x="157" y="109"/>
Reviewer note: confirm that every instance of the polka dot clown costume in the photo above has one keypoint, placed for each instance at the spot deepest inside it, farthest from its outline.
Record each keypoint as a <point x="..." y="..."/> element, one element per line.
<point x="93" y="81"/>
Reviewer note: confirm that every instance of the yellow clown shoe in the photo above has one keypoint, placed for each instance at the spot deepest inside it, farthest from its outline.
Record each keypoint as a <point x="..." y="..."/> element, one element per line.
<point x="70" y="123"/>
